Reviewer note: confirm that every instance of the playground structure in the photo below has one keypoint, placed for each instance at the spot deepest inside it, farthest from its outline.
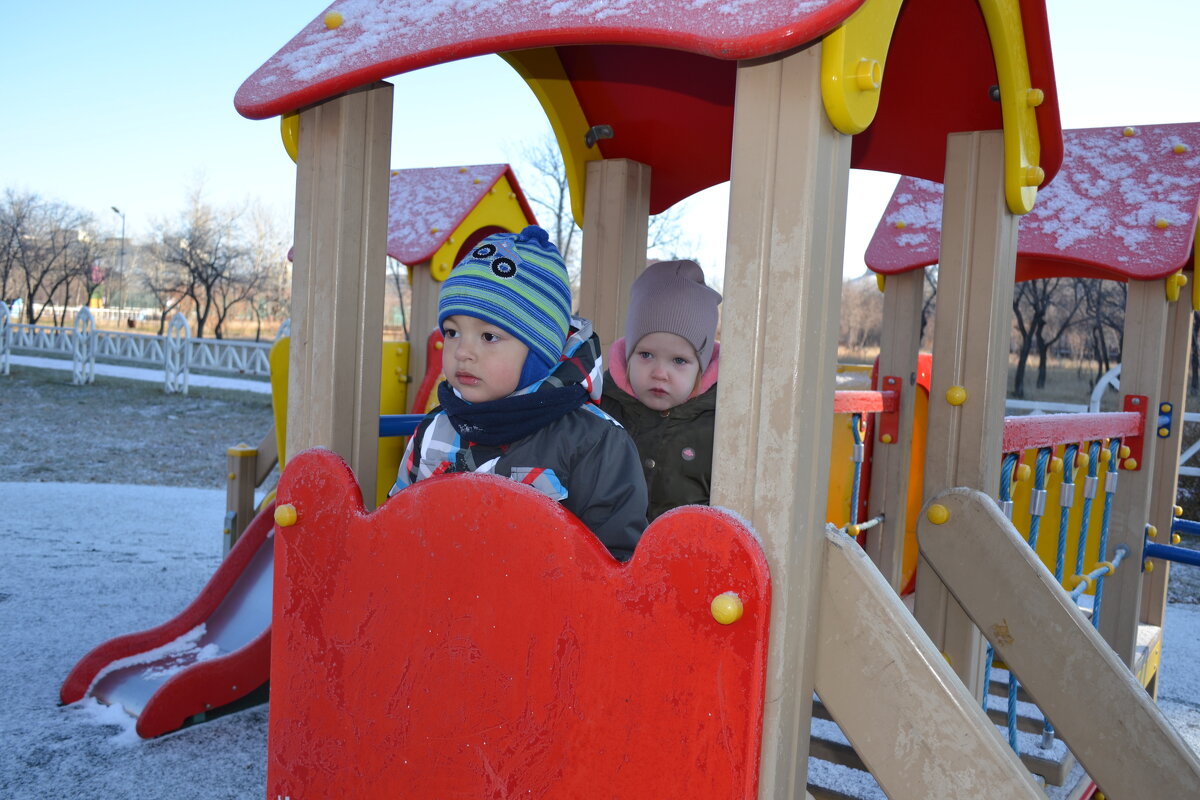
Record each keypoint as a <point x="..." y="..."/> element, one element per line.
<point x="795" y="97"/>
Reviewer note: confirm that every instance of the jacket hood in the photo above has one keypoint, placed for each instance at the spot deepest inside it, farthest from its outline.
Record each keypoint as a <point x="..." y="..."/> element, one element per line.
<point x="618" y="369"/>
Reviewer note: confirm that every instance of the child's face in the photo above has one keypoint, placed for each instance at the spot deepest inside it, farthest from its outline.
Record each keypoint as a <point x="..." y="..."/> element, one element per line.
<point x="481" y="360"/>
<point x="663" y="370"/>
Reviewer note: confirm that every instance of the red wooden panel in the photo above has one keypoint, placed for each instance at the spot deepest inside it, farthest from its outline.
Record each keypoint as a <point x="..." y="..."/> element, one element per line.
<point x="472" y="639"/>
<point x="1123" y="206"/>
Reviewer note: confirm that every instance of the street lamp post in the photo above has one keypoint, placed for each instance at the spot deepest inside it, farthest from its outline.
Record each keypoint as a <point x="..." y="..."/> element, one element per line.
<point x="121" y="258"/>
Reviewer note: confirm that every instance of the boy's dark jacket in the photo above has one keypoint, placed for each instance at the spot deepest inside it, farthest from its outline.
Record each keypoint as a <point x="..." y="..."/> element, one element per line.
<point x="582" y="459"/>
<point x="675" y="446"/>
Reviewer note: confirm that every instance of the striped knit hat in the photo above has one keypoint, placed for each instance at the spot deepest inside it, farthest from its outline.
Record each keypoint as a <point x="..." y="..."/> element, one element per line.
<point x="517" y="282"/>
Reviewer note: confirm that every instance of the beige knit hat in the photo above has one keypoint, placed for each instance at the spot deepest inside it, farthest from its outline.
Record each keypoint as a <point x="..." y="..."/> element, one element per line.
<point x="671" y="296"/>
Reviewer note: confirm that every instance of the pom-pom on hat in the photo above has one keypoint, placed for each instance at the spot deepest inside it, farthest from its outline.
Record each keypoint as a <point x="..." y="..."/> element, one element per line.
<point x="517" y="282"/>
<point x="671" y="296"/>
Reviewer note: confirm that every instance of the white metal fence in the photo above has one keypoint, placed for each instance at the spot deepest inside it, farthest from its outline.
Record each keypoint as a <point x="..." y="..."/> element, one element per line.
<point x="245" y="359"/>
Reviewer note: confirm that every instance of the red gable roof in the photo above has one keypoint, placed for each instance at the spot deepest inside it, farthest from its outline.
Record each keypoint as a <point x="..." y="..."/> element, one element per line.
<point x="662" y="72"/>
<point x="426" y="205"/>
<point x="1124" y="205"/>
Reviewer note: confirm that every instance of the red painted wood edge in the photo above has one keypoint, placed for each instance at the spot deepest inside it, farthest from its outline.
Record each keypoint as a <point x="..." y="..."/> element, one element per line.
<point x="856" y="401"/>
<point x="1024" y="433"/>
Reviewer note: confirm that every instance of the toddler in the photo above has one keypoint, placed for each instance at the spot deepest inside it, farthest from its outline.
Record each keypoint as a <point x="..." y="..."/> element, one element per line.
<point x="522" y="381"/>
<point x="662" y="381"/>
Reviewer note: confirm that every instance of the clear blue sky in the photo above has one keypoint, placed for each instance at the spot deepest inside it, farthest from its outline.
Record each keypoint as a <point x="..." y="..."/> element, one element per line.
<point x="130" y="104"/>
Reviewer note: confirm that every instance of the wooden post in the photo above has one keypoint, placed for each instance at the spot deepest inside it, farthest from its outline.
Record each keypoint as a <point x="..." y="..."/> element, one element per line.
<point x="616" y="215"/>
<point x="239" y="493"/>
<point x="338" y="278"/>
<point x="890" y="473"/>
<point x="970" y="351"/>
<point x="1142" y="358"/>
<point x="422" y="321"/>
<point x="783" y="278"/>
<point x="1165" y="467"/>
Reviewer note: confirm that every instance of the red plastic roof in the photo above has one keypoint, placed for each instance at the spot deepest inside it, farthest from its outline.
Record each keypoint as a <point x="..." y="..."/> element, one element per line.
<point x="662" y="72"/>
<point x="1124" y="205"/>
<point x="380" y="38"/>
<point x="426" y="205"/>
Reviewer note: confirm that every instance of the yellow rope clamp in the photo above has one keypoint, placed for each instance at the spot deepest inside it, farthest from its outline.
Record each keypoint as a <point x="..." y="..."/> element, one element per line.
<point x="1073" y="581"/>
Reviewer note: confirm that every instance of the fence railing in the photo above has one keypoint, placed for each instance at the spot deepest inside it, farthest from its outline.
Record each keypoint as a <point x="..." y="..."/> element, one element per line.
<point x="217" y="355"/>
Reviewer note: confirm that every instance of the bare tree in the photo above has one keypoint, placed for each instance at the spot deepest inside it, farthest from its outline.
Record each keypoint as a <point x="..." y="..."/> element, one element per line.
<point x="398" y="275"/>
<point x="862" y="314"/>
<point x="1104" y="319"/>
<point x="929" y="304"/>
<point x="205" y="246"/>
<point x="44" y="245"/>
<point x="1044" y="309"/>
<point x="550" y="195"/>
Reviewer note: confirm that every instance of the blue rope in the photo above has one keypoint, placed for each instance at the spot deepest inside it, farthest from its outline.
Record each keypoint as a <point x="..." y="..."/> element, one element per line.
<point x="855" y="421"/>
<point x="1039" y="485"/>
<point x="1066" y="497"/>
<point x="1114" y="447"/>
<point x="1006" y="471"/>
<point x="1085" y="522"/>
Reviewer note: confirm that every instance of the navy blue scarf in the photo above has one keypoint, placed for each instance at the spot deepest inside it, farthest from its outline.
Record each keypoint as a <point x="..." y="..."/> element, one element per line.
<point x="512" y="418"/>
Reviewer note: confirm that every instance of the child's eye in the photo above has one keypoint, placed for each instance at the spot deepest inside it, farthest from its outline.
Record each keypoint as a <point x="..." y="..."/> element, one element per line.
<point x="449" y="333"/>
<point x="680" y="361"/>
<point x="644" y="355"/>
<point x="491" y="337"/>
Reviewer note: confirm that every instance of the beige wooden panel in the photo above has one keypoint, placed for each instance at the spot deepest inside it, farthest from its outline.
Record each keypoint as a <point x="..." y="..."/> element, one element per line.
<point x="890" y="472"/>
<point x="1097" y="707"/>
<point x="1141" y="374"/>
<point x="970" y="350"/>
<point x="338" y="278"/>
<point x="616" y="217"/>
<point x="1165" y="467"/>
<point x="422" y="321"/>
<point x="913" y="723"/>
<point x="779" y="350"/>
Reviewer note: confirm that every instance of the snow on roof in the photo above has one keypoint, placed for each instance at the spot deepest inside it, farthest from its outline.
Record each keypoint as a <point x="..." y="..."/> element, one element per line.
<point x="355" y="42"/>
<point x="426" y="205"/>
<point x="1124" y="204"/>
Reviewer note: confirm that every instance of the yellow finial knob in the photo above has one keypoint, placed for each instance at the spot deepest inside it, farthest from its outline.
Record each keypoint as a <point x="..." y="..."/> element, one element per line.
<point x="285" y="515"/>
<point x="1023" y="472"/>
<point x="853" y="530"/>
<point x="886" y="438"/>
<point x="901" y="224"/>
<point x="1056" y="466"/>
<point x="1148" y="566"/>
<point x="1130" y="131"/>
<point x="938" y="514"/>
<point x="1152" y="531"/>
<point x="438" y="345"/>
<point x="1180" y="148"/>
<point x="1123" y="451"/>
<point x="1034" y="175"/>
<point x="727" y="608"/>
<point x="1174" y="538"/>
<point x="880" y="280"/>
<point x="1161" y="223"/>
<point x="956" y="395"/>
<point x="333" y="20"/>
<point x="1177" y="511"/>
<point x="1035" y="97"/>
<point x="1130" y="464"/>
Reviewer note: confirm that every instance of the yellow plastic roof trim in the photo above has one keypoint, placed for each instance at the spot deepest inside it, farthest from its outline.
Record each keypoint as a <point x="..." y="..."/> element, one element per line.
<point x="1018" y="99"/>
<point x="852" y="58"/>
<point x="289" y="129"/>
<point x="543" y="71"/>
<point x="498" y="208"/>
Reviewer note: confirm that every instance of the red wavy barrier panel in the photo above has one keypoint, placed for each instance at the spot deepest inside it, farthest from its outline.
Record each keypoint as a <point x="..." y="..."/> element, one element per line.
<point x="472" y="639"/>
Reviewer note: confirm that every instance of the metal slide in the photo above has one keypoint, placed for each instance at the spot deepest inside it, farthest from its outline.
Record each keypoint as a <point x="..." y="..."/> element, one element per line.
<point x="216" y="651"/>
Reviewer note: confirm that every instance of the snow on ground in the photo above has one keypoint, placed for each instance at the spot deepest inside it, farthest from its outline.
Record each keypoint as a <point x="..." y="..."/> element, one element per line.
<point x="86" y="562"/>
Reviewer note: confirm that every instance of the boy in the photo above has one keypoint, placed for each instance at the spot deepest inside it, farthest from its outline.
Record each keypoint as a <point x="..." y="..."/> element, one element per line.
<point x="522" y="379"/>
<point x="662" y="381"/>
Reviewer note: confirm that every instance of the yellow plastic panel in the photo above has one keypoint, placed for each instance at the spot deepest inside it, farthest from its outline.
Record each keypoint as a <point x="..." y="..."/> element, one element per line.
<point x="393" y="396"/>
<point x="1018" y="99"/>
<point x="289" y="130"/>
<point x="498" y="208"/>
<point x="852" y="59"/>
<point x="543" y="71"/>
